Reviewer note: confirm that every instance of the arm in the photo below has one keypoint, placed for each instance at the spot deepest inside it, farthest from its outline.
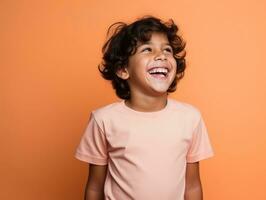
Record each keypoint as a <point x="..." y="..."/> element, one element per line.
<point x="193" y="190"/>
<point x="95" y="185"/>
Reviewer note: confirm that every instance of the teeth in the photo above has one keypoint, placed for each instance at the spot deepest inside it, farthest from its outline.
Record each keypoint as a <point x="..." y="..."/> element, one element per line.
<point x="159" y="70"/>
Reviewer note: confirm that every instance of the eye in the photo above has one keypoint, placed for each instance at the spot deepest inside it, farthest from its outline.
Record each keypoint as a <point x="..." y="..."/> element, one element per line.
<point x="168" y="49"/>
<point x="146" y="49"/>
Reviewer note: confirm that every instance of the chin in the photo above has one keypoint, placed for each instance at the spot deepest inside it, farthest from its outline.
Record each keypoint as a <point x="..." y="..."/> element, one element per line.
<point x="160" y="91"/>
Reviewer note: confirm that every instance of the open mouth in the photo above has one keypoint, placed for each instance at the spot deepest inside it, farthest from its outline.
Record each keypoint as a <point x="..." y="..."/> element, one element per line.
<point x="158" y="72"/>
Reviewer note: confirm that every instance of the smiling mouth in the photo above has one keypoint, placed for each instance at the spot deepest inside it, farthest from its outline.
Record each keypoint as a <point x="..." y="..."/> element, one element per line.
<point x="159" y="72"/>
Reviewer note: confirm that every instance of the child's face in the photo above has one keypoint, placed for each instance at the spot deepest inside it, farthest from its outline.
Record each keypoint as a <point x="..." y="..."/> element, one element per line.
<point x="152" y="69"/>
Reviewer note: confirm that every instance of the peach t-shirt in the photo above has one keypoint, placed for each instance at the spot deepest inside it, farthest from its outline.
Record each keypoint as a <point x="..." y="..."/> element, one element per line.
<point x="146" y="152"/>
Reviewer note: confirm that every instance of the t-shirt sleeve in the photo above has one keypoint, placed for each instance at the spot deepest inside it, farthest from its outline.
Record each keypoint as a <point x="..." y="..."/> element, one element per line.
<point x="93" y="145"/>
<point x="200" y="146"/>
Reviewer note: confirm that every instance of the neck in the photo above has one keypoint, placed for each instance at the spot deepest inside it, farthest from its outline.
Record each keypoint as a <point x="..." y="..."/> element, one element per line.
<point x="147" y="104"/>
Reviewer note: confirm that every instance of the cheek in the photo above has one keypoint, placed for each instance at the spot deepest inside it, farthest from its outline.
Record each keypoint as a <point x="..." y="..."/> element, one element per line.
<point x="137" y="61"/>
<point x="174" y="65"/>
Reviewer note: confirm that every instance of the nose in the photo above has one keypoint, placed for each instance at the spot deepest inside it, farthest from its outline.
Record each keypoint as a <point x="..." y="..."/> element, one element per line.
<point x="160" y="56"/>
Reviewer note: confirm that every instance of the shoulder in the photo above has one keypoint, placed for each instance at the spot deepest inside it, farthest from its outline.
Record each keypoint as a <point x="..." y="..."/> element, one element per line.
<point x="184" y="106"/>
<point x="107" y="111"/>
<point x="187" y="110"/>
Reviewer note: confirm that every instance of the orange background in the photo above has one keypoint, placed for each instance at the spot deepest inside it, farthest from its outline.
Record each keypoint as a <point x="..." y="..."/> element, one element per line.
<point x="49" y="83"/>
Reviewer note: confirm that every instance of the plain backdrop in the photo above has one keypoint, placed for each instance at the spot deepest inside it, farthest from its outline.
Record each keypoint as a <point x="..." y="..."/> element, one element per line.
<point x="49" y="83"/>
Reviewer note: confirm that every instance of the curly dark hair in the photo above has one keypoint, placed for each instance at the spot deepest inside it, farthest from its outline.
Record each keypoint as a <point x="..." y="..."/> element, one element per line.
<point x="123" y="43"/>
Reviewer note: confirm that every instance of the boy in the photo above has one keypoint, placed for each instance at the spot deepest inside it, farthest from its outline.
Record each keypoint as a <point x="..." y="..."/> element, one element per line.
<point x="148" y="146"/>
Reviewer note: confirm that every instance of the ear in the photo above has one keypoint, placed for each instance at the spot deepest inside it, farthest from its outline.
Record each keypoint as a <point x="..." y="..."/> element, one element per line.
<point x="123" y="73"/>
